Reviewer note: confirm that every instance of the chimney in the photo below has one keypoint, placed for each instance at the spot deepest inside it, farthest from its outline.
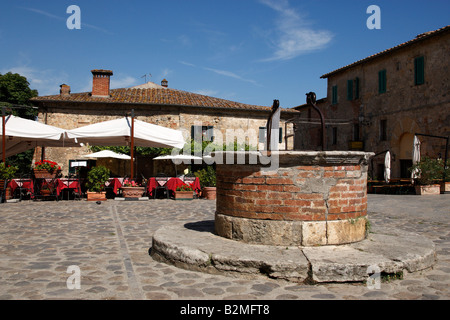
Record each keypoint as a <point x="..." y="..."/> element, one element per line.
<point x="100" y="83"/>
<point x="164" y="83"/>
<point x="65" y="90"/>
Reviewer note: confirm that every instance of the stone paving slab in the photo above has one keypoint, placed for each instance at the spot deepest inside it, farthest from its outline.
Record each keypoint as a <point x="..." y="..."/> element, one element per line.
<point x="110" y="243"/>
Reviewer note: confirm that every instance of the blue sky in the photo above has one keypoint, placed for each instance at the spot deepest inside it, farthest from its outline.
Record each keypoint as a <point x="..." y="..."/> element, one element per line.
<point x="250" y="51"/>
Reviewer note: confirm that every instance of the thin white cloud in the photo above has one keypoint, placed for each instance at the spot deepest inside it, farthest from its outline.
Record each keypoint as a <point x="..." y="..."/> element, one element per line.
<point x="294" y="36"/>
<point x="230" y="74"/>
<point x="47" y="14"/>
<point x="222" y="73"/>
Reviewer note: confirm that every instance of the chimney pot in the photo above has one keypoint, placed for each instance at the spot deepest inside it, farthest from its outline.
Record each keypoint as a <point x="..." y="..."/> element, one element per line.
<point x="164" y="83"/>
<point x="65" y="90"/>
<point x="100" y="83"/>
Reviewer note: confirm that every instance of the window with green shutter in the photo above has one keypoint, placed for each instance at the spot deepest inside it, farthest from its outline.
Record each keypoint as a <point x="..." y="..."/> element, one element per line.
<point x="349" y="89"/>
<point x="382" y="81"/>
<point x="419" y="71"/>
<point x="334" y="95"/>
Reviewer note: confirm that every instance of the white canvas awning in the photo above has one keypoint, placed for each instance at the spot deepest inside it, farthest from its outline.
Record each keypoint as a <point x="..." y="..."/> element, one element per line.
<point x="23" y="134"/>
<point x="118" y="133"/>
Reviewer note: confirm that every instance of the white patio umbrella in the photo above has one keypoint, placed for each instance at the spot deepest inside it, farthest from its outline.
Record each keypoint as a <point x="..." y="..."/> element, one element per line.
<point x="387" y="167"/>
<point x="178" y="159"/>
<point x="23" y="134"/>
<point x="415" y="156"/>
<point x="107" y="154"/>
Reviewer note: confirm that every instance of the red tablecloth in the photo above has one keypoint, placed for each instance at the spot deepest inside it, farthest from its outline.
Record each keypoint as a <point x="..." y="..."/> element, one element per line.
<point x="172" y="184"/>
<point x="24" y="183"/>
<point x="114" y="183"/>
<point x="62" y="184"/>
<point x="195" y="185"/>
<point x="151" y="186"/>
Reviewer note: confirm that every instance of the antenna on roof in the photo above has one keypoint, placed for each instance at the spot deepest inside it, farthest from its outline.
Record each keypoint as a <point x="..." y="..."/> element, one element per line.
<point x="145" y="76"/>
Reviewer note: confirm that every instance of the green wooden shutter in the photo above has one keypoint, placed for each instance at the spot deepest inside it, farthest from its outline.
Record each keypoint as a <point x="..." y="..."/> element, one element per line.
<point x="419" y="70"/>
<point x="334" y="95"/>
<point x="349" y="89"/>
<point x="382" y="81"/>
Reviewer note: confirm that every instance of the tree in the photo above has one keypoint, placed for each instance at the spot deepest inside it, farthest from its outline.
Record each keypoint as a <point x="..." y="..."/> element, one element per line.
<point x="15" y="91"/>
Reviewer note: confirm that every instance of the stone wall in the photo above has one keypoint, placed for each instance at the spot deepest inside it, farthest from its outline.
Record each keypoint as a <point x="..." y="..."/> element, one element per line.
<point x="405" y="108"/>
<point x="244" y="124"/>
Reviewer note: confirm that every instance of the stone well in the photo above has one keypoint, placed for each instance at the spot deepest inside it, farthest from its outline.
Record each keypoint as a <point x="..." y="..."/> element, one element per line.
<point x="302" y="198"/>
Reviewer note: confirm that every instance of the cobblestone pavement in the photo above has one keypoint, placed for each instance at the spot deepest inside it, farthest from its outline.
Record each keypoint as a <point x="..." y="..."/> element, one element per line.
<point x="110" y="243"/>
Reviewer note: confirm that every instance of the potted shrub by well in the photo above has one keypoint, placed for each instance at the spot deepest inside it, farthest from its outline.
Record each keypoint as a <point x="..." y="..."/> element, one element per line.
<point x="184" y="193"/>
<point x="428" y="172"/>
<point x="96" y="179"/>
<point x="207" y="179"/>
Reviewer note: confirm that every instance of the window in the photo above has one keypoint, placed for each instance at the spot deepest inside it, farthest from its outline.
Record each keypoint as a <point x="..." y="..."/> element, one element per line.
<point x="349" y="89"/>
<point x="419" y="71"/>
<point x="382" y="81"/>
<point x="383" y="130"/>
<point x="206" y="132"/>
<point x="334" y="95"/>
<point x="263" y="135"/>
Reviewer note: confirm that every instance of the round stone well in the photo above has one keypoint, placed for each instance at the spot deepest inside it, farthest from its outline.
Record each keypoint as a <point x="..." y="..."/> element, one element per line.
<point x="303" y="198"/>
<point x="299" y="216"/>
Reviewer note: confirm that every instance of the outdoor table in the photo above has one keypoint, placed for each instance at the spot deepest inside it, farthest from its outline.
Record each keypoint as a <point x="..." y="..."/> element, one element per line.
<point x="22" y="184"/>
<point x="172" y="183"/>
<point x="115" y="184"/>
<point x="68" y="183"/>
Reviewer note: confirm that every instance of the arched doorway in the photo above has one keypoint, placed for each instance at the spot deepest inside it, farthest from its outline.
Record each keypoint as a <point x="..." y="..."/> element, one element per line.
<point x="405" y="154"/>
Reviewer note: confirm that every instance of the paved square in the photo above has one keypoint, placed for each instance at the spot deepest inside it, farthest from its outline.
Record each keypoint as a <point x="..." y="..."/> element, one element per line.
<point x="110" y="243"/>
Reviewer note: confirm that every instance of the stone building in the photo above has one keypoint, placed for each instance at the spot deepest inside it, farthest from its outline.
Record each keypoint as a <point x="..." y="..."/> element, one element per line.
<point x="380" y="102"/>
<point x="157" y="104"/>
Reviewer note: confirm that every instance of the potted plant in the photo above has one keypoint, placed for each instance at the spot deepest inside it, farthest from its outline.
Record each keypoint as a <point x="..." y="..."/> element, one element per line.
<point x="96" y="179"/>
<point x="428" y="172"/>
<point x="46" y="169"/>
<point x="207" y="179"/>
<point x="184" y="192"/>
<point x="7" y="172"/>
<point x="132" y="189"/>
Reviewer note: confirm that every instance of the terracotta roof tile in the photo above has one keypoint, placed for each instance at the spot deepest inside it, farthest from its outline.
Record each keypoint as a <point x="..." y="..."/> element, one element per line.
<point x="419" y="37"/>
<point x="155" y="96"/>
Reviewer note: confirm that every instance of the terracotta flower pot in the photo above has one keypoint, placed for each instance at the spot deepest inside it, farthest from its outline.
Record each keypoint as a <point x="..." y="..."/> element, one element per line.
<point x="184" y="195"/>
<point x="96" y="196"/>
<point x="209" y="193"/>
<point x="132" y="192"/>
<point x="428" y="189"/>
<point x="44" y="174"/>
